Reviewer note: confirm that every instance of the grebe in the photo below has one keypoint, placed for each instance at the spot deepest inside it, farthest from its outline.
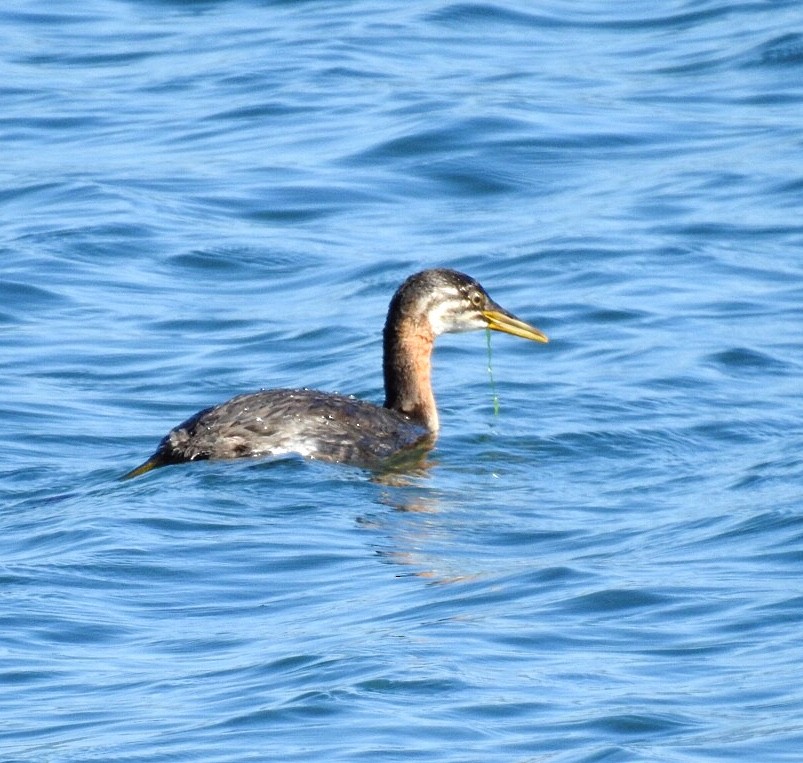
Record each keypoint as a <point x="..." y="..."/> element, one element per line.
<point x="338" y="428"/>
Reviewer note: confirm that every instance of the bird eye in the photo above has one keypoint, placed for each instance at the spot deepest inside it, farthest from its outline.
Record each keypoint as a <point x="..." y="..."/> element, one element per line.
<point x="476" y="299"/>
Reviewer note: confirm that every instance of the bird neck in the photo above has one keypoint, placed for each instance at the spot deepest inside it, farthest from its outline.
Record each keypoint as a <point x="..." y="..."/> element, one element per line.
<point x="407" y="365"/>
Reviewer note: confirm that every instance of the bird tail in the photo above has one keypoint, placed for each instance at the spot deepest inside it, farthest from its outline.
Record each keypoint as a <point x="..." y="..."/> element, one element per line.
<point x="155" y="461"/>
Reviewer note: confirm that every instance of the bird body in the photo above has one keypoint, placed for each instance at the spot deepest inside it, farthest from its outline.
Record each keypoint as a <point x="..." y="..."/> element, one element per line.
<point x="277" y="422"/>
<point x="339" y="428"/>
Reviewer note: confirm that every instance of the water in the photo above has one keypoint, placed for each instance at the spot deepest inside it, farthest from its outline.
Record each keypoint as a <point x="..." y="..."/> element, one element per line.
<point x="203" y="198"/>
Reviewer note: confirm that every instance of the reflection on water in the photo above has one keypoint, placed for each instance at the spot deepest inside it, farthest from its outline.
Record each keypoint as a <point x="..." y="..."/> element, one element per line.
<point x="202" y="199"/>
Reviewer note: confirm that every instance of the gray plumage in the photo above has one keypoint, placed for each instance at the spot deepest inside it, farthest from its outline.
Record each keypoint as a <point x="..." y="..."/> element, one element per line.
<point x="276" y="422"/>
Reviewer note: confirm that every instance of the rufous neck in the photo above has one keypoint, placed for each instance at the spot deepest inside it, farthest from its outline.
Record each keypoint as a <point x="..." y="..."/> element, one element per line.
<point x="407" y="365"/>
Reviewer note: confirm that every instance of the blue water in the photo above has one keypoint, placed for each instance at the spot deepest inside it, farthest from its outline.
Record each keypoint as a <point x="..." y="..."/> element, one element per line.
<point x="204" y="198"/>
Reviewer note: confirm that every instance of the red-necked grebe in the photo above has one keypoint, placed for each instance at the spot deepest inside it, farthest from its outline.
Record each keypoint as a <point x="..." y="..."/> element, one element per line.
<point x="338" y="428"/>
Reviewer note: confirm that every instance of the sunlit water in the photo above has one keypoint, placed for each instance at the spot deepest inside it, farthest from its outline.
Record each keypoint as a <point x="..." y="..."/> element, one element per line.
<point x="204" y="198"/>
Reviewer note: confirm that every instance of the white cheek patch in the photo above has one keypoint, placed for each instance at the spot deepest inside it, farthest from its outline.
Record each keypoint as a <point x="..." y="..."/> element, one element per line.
<point x="469" y="323"/>
<point x="446" y="318"/>
<point x="440" y="318"/>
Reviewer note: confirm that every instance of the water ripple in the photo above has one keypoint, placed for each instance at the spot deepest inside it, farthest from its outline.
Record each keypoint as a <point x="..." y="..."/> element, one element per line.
<point x="598" y="560"/>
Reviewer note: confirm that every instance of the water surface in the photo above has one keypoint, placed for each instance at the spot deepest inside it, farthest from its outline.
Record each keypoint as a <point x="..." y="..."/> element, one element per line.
<point x="205" y="198"/>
